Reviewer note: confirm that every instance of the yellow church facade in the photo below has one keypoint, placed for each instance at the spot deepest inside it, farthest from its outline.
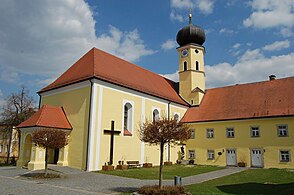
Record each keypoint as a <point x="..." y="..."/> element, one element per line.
<point x="241" y="125"/>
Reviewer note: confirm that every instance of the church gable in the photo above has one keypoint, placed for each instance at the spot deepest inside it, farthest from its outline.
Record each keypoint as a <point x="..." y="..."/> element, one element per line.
<point x="103" y="66"/>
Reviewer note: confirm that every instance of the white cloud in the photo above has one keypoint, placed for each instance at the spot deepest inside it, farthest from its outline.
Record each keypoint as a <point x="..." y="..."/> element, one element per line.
<point x="203" y="6"/>
<point x="127" y="45"/>
<point x="173" y="76"/>
<point x="225" y="30"/>
<point x="250" y="55"/>
<point x="256" y="69"/>
<point x="175" y="16"/>
<point x="277" y="46"/>
<point x="46" y="37"/>
<point x="271" y="13"/>
<point x="237" y="46"/>
<point x="169" y="44"/>
<point x="248" y="69"/>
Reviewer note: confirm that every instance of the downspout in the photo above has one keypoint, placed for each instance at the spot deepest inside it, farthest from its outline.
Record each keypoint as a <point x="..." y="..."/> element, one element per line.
<point x="89" y="121"/>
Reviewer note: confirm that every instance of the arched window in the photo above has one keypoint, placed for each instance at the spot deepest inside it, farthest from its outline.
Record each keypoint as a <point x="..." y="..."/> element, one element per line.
<point x="185" y="66"/>
<point x="177" y="117"/>
<point x="197" y="65"/>
<point x="128" y="108"/>
<point x="155" y="115"/>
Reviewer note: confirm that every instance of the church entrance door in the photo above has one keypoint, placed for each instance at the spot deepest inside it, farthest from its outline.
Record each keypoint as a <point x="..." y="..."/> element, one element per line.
<point x="56" y="155"/>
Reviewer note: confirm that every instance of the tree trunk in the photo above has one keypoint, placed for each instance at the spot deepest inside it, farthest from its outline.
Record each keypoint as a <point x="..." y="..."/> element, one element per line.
<point x="160" y="165"/>
<point x="46" y="161"/>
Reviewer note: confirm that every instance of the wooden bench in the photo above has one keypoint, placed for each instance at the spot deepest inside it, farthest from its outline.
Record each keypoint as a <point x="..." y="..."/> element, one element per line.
<point x="133" y="163"/>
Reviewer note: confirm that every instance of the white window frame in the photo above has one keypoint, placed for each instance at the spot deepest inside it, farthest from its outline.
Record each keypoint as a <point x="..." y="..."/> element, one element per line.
<point x="230" y="131"/>
<point x="130" y="116"/>
<point x="286" y="157"/>
<point x="191" y="154"/>
<point x="283" y="130"/>
<point x="253" y="130"/>
<point x="210" y="155"/>
<point x="153" y="109"/>
<point x="179" y="116"/>
<point x="193" y="134"/>
<point x="210" y="133"/>
<point x="6" y="148"/>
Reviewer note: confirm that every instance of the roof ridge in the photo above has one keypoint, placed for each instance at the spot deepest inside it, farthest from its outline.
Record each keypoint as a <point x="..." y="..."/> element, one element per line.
<point x="253" y="83"/>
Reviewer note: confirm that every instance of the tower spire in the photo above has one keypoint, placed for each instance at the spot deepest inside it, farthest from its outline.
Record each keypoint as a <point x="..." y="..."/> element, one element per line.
<point x="190" y="16"/>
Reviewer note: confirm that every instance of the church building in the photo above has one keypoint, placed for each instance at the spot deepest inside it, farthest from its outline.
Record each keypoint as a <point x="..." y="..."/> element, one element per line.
<point x="249" y="123"/>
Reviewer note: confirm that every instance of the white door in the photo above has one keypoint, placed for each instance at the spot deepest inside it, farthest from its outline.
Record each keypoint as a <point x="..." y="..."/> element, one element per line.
<point x="256" y="158"/>
<point x="231" y="158"/>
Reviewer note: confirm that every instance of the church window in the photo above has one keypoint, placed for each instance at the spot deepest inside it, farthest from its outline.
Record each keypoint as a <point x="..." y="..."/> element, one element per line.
<point x="185" y="66"/>
<point x="230" y="132"/>
<point x="177" y="117"/>
<point x="192" y="134"/>
<point x="128" y="118"/>
<point x="6" y="149"/>
<point x="197" y="65"/>
<point x="209" y="133"/>
<point x="196" y="51"/>
<point x="1" y="148"/>
<point x="155" y="115"/>
<point x="282" y="130"/>
<point x="192" y="102"/>
<point x="284" y="156"/>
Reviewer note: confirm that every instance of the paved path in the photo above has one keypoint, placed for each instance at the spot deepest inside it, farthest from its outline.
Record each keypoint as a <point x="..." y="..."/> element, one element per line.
<point x="80" y="182"/>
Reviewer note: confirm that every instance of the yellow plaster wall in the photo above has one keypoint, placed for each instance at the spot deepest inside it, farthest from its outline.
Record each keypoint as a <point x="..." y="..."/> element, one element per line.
<point x="243" y="142"/>
<point x="76" y="105"/>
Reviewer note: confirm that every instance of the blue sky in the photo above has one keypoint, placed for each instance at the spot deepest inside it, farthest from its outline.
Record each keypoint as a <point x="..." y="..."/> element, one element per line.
<point x="246" y="40"/>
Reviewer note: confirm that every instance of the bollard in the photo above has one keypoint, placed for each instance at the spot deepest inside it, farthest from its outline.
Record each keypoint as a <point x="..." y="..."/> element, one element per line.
<point x="178" y="180"/>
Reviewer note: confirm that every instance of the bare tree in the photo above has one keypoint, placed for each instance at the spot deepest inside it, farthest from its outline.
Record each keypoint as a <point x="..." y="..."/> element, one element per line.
<point x="161" y="132"/>
<point x="17" y="108"/>
<point x="50" y="139"/>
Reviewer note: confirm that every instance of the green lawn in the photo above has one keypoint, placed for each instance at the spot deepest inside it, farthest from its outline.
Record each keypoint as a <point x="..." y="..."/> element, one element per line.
<point x="168" y="171"/>
<point x="253" y="181"/>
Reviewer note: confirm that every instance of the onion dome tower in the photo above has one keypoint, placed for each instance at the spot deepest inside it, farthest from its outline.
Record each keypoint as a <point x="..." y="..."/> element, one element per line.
<point x="191" y="63"/>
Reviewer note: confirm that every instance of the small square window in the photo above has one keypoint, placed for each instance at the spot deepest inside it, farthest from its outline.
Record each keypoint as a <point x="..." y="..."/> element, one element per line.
<point x="255" y="132"/>
<point x="192" y="134"/>
<point x="282" y="130"/>
<point x="191" y="154"/>
<point x="209" y="133"/>
<point x="284" y="156"/>
<point x="230" y="132"/>
<point x="210" y="154"/>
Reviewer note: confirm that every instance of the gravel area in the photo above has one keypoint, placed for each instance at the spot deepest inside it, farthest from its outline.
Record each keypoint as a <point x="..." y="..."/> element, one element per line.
<point x="74" y="181"/>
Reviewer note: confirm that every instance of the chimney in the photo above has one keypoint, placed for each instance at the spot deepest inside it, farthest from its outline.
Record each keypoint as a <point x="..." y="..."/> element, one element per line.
<point x="272" y="77"/>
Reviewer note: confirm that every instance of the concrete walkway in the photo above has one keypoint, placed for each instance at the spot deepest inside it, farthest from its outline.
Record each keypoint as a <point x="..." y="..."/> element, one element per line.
<point x="79" y="182"/>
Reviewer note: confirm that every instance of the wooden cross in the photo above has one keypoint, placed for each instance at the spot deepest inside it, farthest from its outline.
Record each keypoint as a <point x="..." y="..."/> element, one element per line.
<point x="112" y="132"/>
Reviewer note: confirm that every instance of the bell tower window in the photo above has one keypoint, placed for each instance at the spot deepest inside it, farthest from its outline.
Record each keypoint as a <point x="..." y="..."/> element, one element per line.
<point x="185" y="66"/>
<point x="197" y="65"/>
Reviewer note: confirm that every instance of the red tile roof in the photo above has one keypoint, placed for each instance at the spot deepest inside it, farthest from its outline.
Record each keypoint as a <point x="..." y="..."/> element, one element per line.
<point x="101" y="65"/>
<point x="254" y="100"/>
<point x="48" y="116"/>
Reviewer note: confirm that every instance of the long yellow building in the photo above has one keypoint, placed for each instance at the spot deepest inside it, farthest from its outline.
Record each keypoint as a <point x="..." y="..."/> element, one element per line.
<point x="249" y="123"/>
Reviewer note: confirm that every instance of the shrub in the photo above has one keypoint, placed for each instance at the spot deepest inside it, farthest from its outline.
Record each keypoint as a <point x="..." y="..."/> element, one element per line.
<point x="166" y="190"/>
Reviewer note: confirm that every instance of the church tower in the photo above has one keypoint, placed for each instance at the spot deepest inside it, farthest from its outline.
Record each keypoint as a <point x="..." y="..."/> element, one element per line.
<point x="191" y="63"/>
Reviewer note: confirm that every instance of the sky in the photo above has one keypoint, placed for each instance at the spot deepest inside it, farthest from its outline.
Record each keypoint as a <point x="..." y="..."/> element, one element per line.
<point x="246" y="41"/>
